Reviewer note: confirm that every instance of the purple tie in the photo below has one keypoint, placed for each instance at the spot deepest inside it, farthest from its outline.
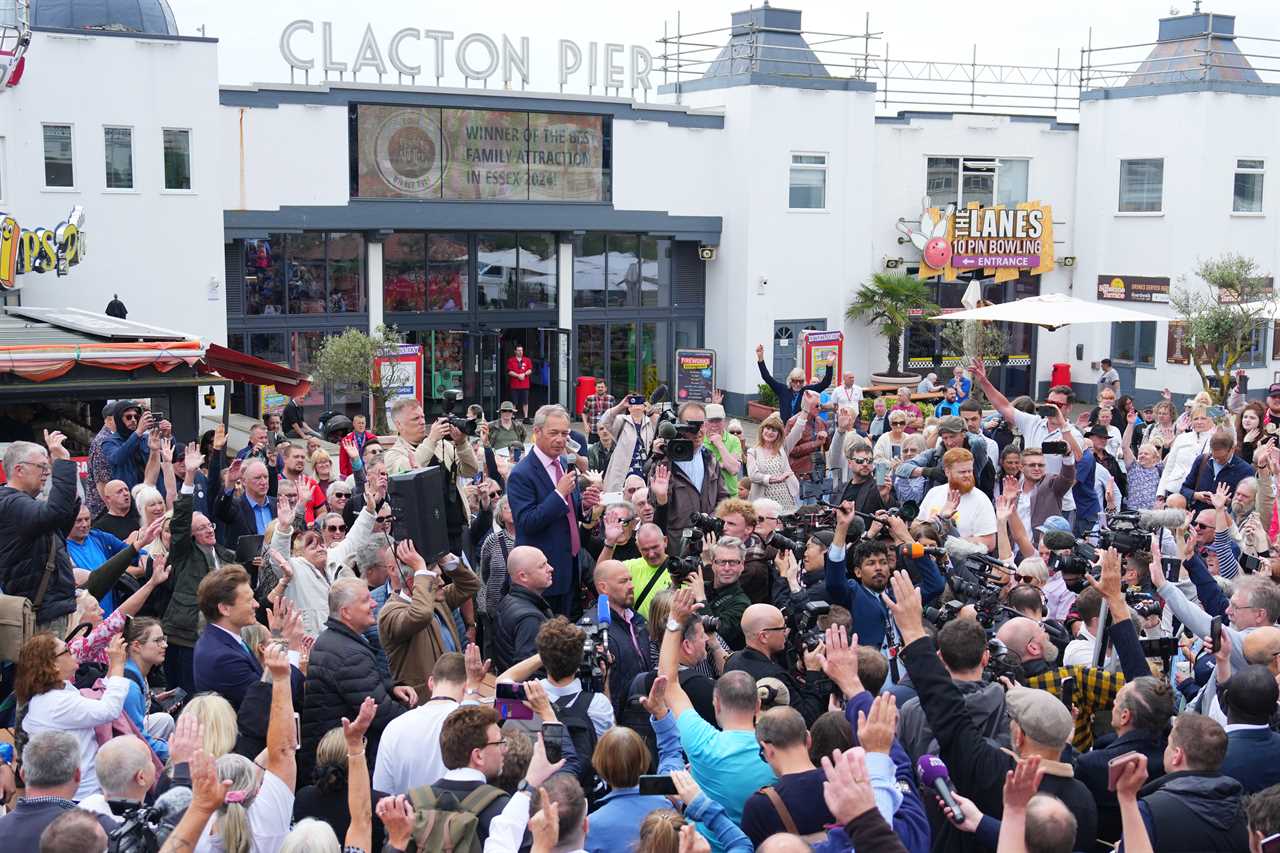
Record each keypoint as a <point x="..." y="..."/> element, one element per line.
<point x="574" y="541"/>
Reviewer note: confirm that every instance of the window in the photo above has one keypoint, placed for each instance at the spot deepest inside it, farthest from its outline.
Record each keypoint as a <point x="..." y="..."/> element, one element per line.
<point x="588" y="271"/>
<point x="655" y="272"/>
<point x="118" y="143"/>
<point x="58" y="168"/>
<point x="1134" y="343"/>
<point x="808" y="185"/>
<point x="310" y="273"/>
<point x="621" y="271"/>
<point x="425" y="272"/>
<point x="1258" y="352"/>
<point x="1247" y="190"/>
<point x="983" y="180"/>
<point x="1142" y="185"/>
<point x="537" y="273"/>
<point x="177" y="159"/>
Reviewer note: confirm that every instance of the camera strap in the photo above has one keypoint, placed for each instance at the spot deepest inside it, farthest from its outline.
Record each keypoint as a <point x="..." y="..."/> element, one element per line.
<point x="647" y="588"/>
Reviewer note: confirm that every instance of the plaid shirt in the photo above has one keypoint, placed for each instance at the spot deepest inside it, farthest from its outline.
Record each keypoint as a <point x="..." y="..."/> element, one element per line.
<point x="1095" y="689"/>
<point x="593" y="408"/>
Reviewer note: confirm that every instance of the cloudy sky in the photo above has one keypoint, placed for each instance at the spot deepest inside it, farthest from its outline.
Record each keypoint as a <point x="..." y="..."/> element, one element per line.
<point x="1004" y="31"/>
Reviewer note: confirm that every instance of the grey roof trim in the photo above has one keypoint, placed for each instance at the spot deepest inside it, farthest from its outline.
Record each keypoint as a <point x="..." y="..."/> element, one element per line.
<point x="1234" y="87"/>
<point x="91" y="33"/>
<point x="408" y="215"/>
<point x="706" y="84"/>
<point x="908" y="116"/>
<point x="340" y="94"/>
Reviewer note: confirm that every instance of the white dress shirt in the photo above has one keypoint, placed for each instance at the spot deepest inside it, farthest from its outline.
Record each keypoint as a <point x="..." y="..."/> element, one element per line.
<point x="600" y="710"/>
<point x="409" y="749"/>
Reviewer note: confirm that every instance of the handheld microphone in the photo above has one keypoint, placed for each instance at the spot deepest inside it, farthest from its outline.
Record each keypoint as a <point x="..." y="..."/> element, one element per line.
<point x="915" y="551"/>
<point x="932" y="773"/>
<point x="604" y="616"/>
<point x="1058" y="540"/>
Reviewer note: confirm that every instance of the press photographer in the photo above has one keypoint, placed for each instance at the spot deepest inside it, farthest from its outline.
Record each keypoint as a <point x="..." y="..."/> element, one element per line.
<point x="765" y="656"/>
<point x="695" y="484"/>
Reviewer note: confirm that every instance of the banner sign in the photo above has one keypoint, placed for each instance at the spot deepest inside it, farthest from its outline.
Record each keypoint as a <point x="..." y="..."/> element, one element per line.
<point x="1232" y="297"/>
<point x="1002" y="241"/>
<point x="1133" y="288"/>
<point x="39" y="251"/>
<point x="271" y="401"/>
<point x="457" y="154"/>
<point x="695" y="375"/>
<point x="820" y="350"/>
<point x="399" y="373"/>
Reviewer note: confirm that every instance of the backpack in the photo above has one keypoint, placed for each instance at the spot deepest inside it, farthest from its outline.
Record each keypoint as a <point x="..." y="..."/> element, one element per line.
<point x="444" y="824"/>
<point x="572" y="712"/>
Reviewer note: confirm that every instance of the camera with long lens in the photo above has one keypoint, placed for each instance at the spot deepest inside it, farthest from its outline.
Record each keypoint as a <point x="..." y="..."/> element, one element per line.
<point x="1002" y="663"/>
<point x="689" y="560"/>
<point x="708" y="523"/>
<point x="1144" y="604"/>
<point x="944" y="613"/>
<point x="972" y="584"/>
<point x="1131" y="530"/>
<point x="780" y="541"/>
<point x="451" y="397"/>
<point x="677" y="439"/>
<point x="594" y="645"/>
<point x="806" y="634"/>
<point x="710" y="624"/>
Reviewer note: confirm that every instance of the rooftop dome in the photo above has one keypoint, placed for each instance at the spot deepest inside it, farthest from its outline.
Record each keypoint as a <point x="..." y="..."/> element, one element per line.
<point x="130" y="16"/>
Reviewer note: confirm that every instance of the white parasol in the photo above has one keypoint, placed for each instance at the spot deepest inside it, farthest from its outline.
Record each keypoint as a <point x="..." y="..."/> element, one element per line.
<point x="1052" y="311"/>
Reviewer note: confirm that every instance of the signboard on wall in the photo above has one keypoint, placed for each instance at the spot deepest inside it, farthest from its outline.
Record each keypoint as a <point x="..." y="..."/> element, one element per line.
<point x="695" y="375"/>
<point x="1133" y="288"/>
<point x="822" y="349"/>
<point x="1177" y="347"/>
<point x="461" y="154"/>
<point x="1001" y="241"/>
<point x="1231" y="297"/>
<point x="271" y="401"/>
<point x="399" y="373"/>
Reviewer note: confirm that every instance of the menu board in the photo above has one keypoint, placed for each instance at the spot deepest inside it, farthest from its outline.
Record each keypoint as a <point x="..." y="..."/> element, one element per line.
<point x="695" y="375"/>
<point x="462" y="154"/>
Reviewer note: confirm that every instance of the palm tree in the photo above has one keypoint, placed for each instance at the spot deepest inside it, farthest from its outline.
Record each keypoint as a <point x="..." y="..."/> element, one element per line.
<point x="888" y="300"/>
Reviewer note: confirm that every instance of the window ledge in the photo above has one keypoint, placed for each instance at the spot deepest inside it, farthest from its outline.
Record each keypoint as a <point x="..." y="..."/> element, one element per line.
<point x="1131" y="214"/>
<point x="59" y="190"/>
<point x="120" y="191"/>
<point x="1248" y="214"/>
<point x="178" y="192"/>
<point x="808" y="210"/>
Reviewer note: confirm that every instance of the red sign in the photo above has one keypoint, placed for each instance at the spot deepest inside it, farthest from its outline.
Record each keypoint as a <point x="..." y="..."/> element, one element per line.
<point x="82" y="468"/>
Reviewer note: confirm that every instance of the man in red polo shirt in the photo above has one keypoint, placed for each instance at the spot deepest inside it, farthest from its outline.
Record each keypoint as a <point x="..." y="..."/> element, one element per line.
<point x="519" y="369"/>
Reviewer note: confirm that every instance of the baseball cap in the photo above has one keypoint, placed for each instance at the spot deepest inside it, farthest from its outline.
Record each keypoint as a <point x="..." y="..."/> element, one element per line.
<point x="1274" y="390"/>
<point x="1040" y="714"/>
<point x="715" y="411"/>
<point x="507" y="406"/>
<point x="773" y="693"/>
<point x="951" y="423"/>
<point x="123" y="406"/>
<point x="1055" y="522"/>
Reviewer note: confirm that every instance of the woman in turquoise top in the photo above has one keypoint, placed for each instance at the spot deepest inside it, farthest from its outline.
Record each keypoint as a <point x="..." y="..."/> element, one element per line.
<point x="146" y="645"/>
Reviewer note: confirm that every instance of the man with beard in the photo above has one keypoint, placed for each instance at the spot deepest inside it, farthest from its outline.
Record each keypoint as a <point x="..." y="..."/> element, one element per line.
<point x="628" y="632"/>
<point x="951" y="434"/>
<point x="969" y="510"/>
<point x="309" y="492"/>
<point x="860" y="487"/>
<point x="1246" y="523"/>
<point x="872" y="562"/>
<point x="1094" y="688"/>
<point x="127" y="451"/>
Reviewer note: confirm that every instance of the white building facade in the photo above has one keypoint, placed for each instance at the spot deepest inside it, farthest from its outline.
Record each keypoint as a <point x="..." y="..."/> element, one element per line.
<point x="281" y="233"/>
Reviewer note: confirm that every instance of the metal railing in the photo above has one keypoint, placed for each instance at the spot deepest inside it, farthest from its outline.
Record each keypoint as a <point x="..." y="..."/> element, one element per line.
<point x="1200" y="57"/>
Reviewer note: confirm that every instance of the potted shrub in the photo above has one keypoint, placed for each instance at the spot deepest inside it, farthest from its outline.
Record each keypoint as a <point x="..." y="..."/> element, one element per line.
<point x="887" y="301"/>
<point x="765" y="404"/>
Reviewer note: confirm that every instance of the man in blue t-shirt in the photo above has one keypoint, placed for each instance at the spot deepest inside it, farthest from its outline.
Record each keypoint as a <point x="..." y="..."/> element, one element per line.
<point x="950" y="404"/>
<point x="961" y="383"/>
<point x="725" y="762"/>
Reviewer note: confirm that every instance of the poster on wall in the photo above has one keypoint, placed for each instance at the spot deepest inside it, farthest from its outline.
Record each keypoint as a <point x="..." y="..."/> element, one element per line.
<point x="1177" y="347"/>
<point x="399" y="374"/>
<point x="1004" y="242"/>
<point x="695" y="375"/>
<point x="271" y="401"/>
<point x="465" y="154"/>
<point x="1133" y="288"/>
<point x="822" y="349"/>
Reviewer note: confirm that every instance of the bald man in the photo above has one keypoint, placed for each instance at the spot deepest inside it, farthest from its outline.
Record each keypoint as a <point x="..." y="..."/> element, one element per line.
<point x="1262" y="647"/>
<point x="784" y="842"/>
<point x="628" y="631"/>
<point x="649" y="571"/>
<point x="118" y="518"/>
<point x="523" y="610"/>
<point x="766" y="633"/>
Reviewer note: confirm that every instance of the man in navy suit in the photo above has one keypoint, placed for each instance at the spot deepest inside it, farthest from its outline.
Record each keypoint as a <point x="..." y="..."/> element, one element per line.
<point x="223" y="663"/>
<point x="1253" y="749"/>
<point x="1221" y="465"/>
<point x="547" y="504"/>
<point x="250" y="513"/>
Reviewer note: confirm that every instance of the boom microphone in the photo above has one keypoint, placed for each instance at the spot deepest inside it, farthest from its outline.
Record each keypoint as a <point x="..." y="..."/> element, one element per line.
<point x="960" y="549"/>
<point x="932" y="773"/>
<point x="1058" y="540"/>
<point x="659" y="395"/>
<point x="1154" y="519"/>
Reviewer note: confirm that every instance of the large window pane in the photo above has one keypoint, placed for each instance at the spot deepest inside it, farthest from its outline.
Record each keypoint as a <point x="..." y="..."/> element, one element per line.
<point x="1011" y="182"/>
<point x="655" y="355"/>
<point x="1122" y="339"/>
<point x="622" y="357"/>
<point x="808" y="182"/>
<point x="442" y="355"/>
<point x="264" y="285"/>
<point x="655" y="272"/>
<point x="537" y="273"/>
<point x="1247" y="192"/>
<point x="118" y="144"/>
<point x="346" y="273"/>
<point x="58" y="168"/>
<point x="177" y="159"/>
<point x="622" y="272"/>
<point x="588" y="271"/>
<point x="269" y="347"/>
<point x="591" y="352"/>
<point x="688" y="334"/>
<point x="404" y="286"/>
<point x="496" y="258"/>
<point x="1141" y="185"/>
<point x="305" y="273"/>
<point x="1147" y="344"/>
<point x="447" y="275"/>
<point x="304" y="347"/>
<point x="978" y="183"/>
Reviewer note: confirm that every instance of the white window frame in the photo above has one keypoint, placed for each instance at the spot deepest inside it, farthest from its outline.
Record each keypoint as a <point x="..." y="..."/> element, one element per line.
<point x="1238" y="170"/>
<point x="133" y="160"/>
<point x="191" y="159"/>
<point x="961" y="202"/>
<point x="1119" y="177"/>
<point x="74" y="172"/>
<point x="824" y="168"/>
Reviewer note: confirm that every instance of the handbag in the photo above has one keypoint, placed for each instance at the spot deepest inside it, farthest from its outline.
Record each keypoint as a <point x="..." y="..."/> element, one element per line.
<point x="18" y="613"/>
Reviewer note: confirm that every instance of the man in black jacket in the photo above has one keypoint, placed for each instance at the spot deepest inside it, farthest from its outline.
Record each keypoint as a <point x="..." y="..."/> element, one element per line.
<point x="523" y="609"/>
<point x="766" y="632"/>
<point x="628" y="632"/>
<point x="861" y="487"/>
<point x="1040" y="725"/>
<point x="343" y="671"/>
<point x="33" y="533"/>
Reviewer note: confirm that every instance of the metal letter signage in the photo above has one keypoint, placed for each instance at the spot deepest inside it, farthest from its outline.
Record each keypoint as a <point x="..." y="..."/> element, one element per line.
<point x="41" y="250"/>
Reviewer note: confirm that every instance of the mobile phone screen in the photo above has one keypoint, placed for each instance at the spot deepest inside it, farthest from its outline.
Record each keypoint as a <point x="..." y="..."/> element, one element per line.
<point x="1215" y="634"/>
<point x="508" y="690"/>
<point x="553" y="741"/>
<point x="659" y="785"/>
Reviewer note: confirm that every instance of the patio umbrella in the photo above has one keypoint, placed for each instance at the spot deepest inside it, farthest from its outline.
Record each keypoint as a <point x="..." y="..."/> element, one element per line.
<point x="1052" y="311"/>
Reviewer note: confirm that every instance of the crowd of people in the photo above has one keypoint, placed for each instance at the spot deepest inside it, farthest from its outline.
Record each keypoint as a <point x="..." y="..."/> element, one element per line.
<point x="1040" y="625"/>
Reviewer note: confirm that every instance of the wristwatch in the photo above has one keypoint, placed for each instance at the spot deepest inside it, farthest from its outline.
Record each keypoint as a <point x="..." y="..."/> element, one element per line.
<point x="673" y="625"/>
<point x="524" y="787"/>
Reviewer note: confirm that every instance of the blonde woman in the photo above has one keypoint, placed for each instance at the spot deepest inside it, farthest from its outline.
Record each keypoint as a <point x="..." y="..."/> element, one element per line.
<point x="1185" y="450"/>
<point x="149" y="503"/>
<point x="322" y="468"/>
<point x="218" y="720"/>
<point x="768" y="467"/>
<point x="889" y="446"/>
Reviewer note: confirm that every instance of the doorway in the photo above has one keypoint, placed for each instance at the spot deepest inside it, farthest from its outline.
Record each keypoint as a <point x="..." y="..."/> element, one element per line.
<point x="787" y="336"/>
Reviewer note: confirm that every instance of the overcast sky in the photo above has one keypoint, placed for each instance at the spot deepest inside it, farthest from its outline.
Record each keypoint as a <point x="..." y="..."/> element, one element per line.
<point x="1004" y="31"/>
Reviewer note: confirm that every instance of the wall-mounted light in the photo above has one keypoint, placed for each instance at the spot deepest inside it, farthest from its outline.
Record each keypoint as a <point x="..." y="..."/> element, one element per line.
<point x="892" y="263"/>
<point x="1069" y="261"/>
<point x="707" y="253"/>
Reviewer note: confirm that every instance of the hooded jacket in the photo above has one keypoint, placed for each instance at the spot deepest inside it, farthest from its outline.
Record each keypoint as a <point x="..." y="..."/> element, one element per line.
<point x="1189" y="812"/>
<point x="985" y="703"/>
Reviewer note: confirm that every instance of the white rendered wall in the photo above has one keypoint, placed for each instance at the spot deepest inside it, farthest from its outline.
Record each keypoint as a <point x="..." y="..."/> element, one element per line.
<point x="287" y="155"/>
<point x="158" y="249"/>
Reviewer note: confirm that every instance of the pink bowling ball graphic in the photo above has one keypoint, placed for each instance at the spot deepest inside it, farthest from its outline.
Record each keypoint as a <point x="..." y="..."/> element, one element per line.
<point x="937" y="253"/>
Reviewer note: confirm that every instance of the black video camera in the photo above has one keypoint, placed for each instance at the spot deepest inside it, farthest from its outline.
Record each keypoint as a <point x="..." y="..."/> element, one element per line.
<point x="1125" y="533"/>
<point x="451" y="398"/>
<point x="594" y="644"/>
<point x="708" y="523"/>
<point x="779" y="541"/>
<point x="806" y="634"/>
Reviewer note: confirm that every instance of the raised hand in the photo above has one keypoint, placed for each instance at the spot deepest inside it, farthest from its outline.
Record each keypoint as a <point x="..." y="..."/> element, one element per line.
<point x="285" y="512"/>
<point x="840" y="661"/>
<point x="160" y="571"/>
<point x="193" y="459"/>
<point x="686" y="789"/>
<point x="1021" y="783"/>
<point x="952" y="505"/>
<point x="148" y="534"/>
<point x="660" y="483"/>
<point x="116" y="654"/>
<point x="186" y="738"/>
<point x="219" y="437"/>
<point x="407" y="553"/>
<point x="477" y="668"/>
<point x="1108" y="582"/>
<point x="275" y="659"/>
<point x="759" y="352"/>
<point x="544" y="825"/>
<point x="207" y="792"/>
<point x="906" y="607"/>
<point x="165" y="446"/>
<point x="1220" y="496"/>
<point x="349" y="447"/>
<point x="717" y="397"/>
<point x="876" y="730"/>
<point x="683" y="605"/>
<point x="1132" y="778"/>
<point x="354" y="731"/>
<point x="656" y="702"/>
<point x="53" y="441"/>
<point x="847" y="790"/>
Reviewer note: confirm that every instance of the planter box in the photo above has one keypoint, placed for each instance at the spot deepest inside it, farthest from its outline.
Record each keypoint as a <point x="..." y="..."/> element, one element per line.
<point x="759" y="411"/>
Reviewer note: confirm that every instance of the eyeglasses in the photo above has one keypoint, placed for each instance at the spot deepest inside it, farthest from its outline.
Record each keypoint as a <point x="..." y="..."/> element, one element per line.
<point x="1024" y="578"/>
<point x="343" y="495"/>
<point x="158" y="641"/>
<point x="1200" y="525"/>
<point x="861" y="460"/>
<point x="1032" y="464"/>
<point x="502" y="743"/>
<point x="727" y="562"/>
<point x="63" y="652"/>
<point x="1235" y="608"/>
<point x="43" y="466"/>
<point x="775" y="628"/>
<point x="335" y="528"/>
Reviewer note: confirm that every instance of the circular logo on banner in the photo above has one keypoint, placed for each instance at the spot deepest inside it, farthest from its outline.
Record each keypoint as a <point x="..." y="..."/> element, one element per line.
<point x="406" y="150"/>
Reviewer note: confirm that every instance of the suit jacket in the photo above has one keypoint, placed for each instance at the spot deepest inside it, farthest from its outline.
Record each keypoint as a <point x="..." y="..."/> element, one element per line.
<point x="410" y="630"/>
<point x="1202" y="479"/>
<point x="222" y="664"/>
<point x="235" y="515"/>
<point x="1253" y="758"/>
<point x="542" y="518"/>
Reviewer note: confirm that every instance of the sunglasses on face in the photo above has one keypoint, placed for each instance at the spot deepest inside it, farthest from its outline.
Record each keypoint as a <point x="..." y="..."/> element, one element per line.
<point x="861" y="460"/>
<point x="336" y="528"/>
